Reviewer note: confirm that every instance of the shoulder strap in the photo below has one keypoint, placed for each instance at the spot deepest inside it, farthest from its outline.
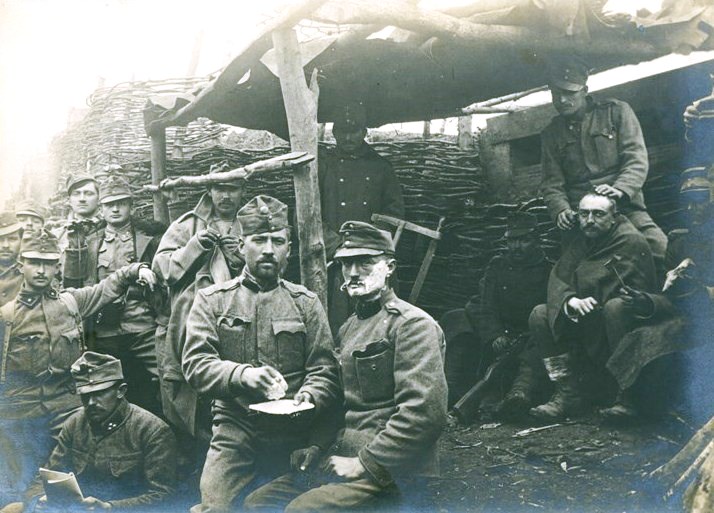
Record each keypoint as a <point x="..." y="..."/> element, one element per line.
<point x="70" y="302"/>
<point x="8" y="318"/>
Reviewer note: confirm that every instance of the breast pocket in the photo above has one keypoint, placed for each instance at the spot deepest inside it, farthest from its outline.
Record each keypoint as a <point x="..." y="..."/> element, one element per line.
<point x="232" y="338"/>
<point x="66" y="350"/>
<point x="290" y="344"/>
<point x="126" y="467"/>
<point x="79" y="461"/>
<point x="374" y="366"/>
<point x="606" y="147"/>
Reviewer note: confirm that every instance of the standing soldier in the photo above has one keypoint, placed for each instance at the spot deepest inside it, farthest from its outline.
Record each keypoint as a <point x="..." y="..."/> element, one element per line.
<point x="125" y="328"/>
<point x="355" y="182"/>
<point x="42" y="336"/>
<point x="10" y="270"/>
<point x="598" y="145"/>
<point x="198" y="250"/>
<point x="392" y="372"/>
<point x="31" y="216"/>
<point x="245" y="338"/>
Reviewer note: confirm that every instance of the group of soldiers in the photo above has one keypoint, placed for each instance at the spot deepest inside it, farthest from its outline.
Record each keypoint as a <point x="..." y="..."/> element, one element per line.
<point x="132" y="353"/>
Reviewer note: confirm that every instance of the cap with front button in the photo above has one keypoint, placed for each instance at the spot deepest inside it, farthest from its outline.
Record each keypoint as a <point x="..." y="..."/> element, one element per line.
<point x="263" y="214"/>
<point x="359" y="238"/>
<point x="40" y="246"/>
<point x="570" y="74"/>
<point x="695" y="185"/>
<point x="29" y="208"/>
<point x="114" y="189"/>
<point x="95" y="371"/>
<point x="9" y="223"/>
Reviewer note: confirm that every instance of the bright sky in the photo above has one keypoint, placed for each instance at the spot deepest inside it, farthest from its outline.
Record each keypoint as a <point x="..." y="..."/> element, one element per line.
<point x="54" y="53"/>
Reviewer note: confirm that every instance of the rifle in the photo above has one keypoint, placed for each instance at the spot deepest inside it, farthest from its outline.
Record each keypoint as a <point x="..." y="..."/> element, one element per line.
<point x="466" y="408"/>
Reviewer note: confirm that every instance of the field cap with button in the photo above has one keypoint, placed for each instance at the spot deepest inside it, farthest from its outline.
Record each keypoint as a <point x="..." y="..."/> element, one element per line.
<point x="263" y="214"/>
<point x="520" y="224"/>
<point x="9" y="223"/>
<point x="696" y="187"/>
<point x="568" y="74"/>
<point x="352" y="116"/>
<point x="359" y="238"/>
<point x="95" y="371"/>
<point x="40" y="246"/>
<point x="113" y="189"/>
<point x="77" y="181"/>
<point x="222" y="167"/>
<point x="29" y="208"/>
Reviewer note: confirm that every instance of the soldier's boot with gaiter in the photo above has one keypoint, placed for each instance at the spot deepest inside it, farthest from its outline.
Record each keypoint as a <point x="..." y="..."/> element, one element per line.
<point x="520" y="398"/>
<point x="566" y="400"/>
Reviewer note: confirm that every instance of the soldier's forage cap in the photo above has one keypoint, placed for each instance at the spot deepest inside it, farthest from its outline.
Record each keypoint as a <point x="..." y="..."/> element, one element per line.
<point x="358" y="238"/>
<point x="113" y="189"/>
<point x="696" y="186"/>
<point x="263" y="214"/>
<point x="568" y="74"/>
<point x="79" y="180"/>
<point x="41" y="246"/>
<point x="95" y="371"/>
<point x="352" y="116"/>
<point x="520" y="224"/>
<point x="9" y="223"/>
<point x="29" y="208"/>
<point x="222" y="167"/>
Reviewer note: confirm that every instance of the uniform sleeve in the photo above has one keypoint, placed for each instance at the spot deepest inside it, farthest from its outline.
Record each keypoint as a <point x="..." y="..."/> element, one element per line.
<point x="419" y="396"/>
<point x="159" y="471"/>
<point x="93" y="298"/>
<point x="632" y="152"/>
<point x="489" y="319"/>
<point x="553" y="185"/>
<point x="201" y="362"/>
<point x="392" y="199"/>
<point x="179" y="254"/>
<point x="320" y="365"/>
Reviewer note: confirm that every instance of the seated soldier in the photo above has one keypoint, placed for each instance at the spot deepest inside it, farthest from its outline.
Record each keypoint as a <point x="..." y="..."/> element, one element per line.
<point x="513" y="283"/>
<point x="123" y="456"/>
<point x="650" y="361"/>
<point x="585" y="313"/>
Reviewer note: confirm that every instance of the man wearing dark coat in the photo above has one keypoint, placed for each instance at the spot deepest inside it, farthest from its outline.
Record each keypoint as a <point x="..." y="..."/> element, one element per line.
<point x="10" y="271"/>
<point x="199" y="249"/>
<point x="355" y="182"/>
<point x="585" y="312"/>
<point x="594" y="144"/>
<point x="124" y="457"/>
<point x="390" y="356"/>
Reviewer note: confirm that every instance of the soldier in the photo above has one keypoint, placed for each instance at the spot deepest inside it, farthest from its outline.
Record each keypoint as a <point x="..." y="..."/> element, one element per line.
<point x="245" y="337"/>
<point x="392" y="373"/>
<point x="125" y="328"/>
<point x="123" y="456"/>
<point x="513" y="284"/>
<point x="10" y="270"/>
<point x="594" y="144"/>
<point x="355" y="182"/>
<point x="42" y="337"/>
<point x="198" y="250"/>
<point x="31" y="216"/>
<point x="585" y="312"/>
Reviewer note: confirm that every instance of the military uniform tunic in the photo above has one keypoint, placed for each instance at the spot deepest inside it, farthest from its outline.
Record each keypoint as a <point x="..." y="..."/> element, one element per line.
<point x="10" y="283"/>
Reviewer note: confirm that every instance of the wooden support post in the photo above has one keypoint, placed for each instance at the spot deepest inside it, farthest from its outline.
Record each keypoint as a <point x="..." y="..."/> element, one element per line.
<point x="465" y="138"/>
<point x="158" y="173"/>
<point x="426" y="133"/>
<point x="301" y="110"/>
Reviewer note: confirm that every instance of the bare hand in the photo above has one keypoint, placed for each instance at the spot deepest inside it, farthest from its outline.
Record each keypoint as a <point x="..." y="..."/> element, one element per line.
<point x="303" y="459"/>
<point x="230" y="243"/>
<point x="637" y="300"/>
<point x="208" y="238"/>
<point x="676" y="273"/>
<point x="147" y="278"/>
<point x="582" y="307"/>
<point x="566" y="219"/>
<point x="501" y="344"/>
<point x="302" y="397"/>
<point x="609" y="191"/>
<point x="347" y="468"/>
<point x="262" y="379"/>
<point x="92" y="503"/>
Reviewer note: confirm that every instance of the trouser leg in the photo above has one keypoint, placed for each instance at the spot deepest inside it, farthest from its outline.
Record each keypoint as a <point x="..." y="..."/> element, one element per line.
<point x="547" y="343"/>
<point x="463" y="352"/>
<point x="337" y="497"/>
<point x="277" y="494"/>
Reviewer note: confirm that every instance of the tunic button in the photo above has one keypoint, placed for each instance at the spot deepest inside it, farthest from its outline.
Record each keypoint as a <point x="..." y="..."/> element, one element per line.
<point x="367" y="178"/>
<point x="342" y="179"/>
<point x="342" y="203"/>
<point x="364" y="202"/>
<point x="504" y="287"/>
<point x="374" y="367"/>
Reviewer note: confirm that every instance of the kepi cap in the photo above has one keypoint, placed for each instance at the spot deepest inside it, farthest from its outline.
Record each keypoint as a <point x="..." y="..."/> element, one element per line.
<point x="520" y="224"/>
<point x="113" y="189"/>
<point x="95" y="371"/>
<point x="29" y="208"/>
<point x="568" y="74"/>
<point x="359" y="238"/>
<point x="263" y="214"/>
<point x="9" y="223"/>
<point x="41" y="246"/>
<point x="352" y="116"/>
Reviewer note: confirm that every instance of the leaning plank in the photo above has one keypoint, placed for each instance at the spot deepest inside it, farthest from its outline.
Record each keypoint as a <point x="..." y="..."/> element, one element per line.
<point x="287" y="161"/>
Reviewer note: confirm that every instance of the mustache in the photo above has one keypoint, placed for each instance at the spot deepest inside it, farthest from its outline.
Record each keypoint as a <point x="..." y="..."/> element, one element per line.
<point x="267" y="260"/>
<point x="350" y="282"/>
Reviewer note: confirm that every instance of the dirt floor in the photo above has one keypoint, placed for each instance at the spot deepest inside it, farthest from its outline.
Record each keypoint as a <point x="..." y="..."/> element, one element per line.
<point x="581" y="466"/>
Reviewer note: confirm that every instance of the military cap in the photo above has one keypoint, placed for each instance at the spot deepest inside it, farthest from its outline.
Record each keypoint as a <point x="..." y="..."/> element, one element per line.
<point x="113" y="189"/>
<point x="9" y="223"/>
<point x="41" y="245"/>
<point x="263" y="214"/>
<point x="695" y="187"/>
<point x="29" y="208"/>
<point x="358" y="238"/>
<point x="351" y="116"/>
<point x="520" y="224"/>
<point x="78" y="180"/>
<point x="568" y="74"/>
<point x="95" y="371"/>
<point x="220" y="167"/>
